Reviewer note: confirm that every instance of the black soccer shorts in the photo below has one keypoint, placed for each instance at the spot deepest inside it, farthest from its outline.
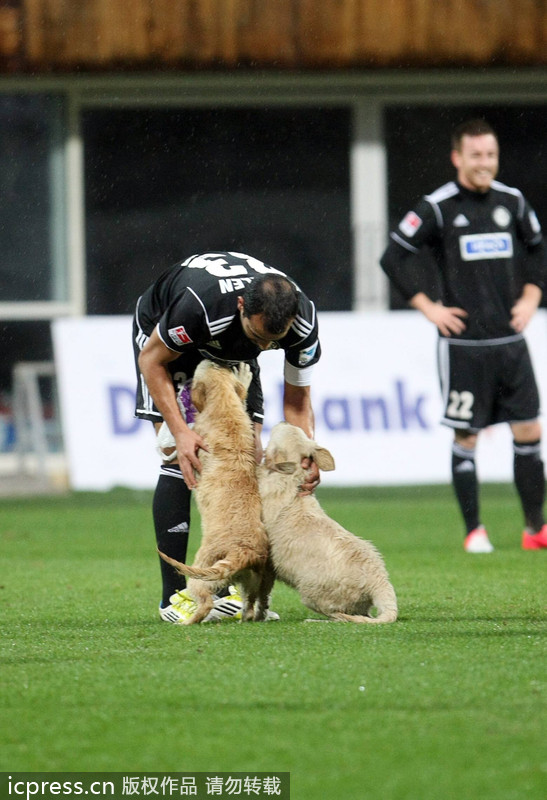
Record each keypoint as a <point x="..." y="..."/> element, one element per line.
<point x="485" y="384"/>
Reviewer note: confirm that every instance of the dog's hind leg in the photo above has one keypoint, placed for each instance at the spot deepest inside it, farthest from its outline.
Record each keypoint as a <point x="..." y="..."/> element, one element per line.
<point x="264" y="590"/>
<point x="249" y="586"/>
<point x="248" y="596"/>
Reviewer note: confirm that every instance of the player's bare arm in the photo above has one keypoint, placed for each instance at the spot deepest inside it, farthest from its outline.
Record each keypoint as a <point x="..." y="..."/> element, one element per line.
<point x="259" y="451"/>
<point x="297" y="410"/>
<point x="525" y="307"/>
<point x="153" y="361"/>
<point x="448" y="319"/>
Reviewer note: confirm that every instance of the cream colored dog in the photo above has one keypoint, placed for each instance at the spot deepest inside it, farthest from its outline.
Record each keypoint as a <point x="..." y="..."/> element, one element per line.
<point x="234" y="546"/>
<point x="335" y="572"/>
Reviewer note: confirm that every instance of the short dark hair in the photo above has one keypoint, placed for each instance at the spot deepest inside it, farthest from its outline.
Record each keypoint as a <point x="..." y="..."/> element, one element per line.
<point x="471" y="127"/>
<point x="274" y="296"/>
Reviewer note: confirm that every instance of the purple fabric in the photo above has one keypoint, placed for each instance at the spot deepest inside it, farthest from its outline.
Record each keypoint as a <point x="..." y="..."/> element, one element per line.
<point x="186" y="400"/>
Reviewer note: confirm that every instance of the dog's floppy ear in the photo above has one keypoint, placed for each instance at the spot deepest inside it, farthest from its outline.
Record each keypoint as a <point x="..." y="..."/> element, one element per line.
<point x="323" y="458"/>
<point x="198" y="394"/>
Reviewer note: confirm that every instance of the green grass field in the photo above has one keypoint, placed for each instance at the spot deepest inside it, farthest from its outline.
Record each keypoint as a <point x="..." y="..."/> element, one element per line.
<point x="446" y="703"/>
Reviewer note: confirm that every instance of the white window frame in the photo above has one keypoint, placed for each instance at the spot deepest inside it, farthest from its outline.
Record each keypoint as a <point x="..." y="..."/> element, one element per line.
<point x="66" y="223"/>
<point x="365" y="93"/>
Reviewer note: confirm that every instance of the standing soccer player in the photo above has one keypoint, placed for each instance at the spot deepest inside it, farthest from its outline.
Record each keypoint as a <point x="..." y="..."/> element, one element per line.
<point x="489" y="250"/>
<point x="228" y="308"/>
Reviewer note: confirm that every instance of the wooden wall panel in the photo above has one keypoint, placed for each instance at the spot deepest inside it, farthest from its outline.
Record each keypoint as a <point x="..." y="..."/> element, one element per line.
<point x="430" y="32"/>
<point x="10" y="34"/>
<point x="148" y="34"/>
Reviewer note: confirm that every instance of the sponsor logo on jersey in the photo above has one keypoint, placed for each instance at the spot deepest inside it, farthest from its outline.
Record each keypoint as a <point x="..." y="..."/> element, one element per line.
<point x="179" y="335"/>
<point x="305" y="356"/>
<point x="410" y="224"/>
<point x="479" y="246"/>
<point x="501" y="216"/>
<point x="460" y="221"/>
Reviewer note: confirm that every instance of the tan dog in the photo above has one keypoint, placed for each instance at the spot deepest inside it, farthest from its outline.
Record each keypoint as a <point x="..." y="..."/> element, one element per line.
<point x="234" y="546"/>
<point x="335" y="572"/>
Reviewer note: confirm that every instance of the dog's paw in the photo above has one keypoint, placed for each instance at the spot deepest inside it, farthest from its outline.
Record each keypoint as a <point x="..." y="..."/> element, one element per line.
<point x="243" y="374"/>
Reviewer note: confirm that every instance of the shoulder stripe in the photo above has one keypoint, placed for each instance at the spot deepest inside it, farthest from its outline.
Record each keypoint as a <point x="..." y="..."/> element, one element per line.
<point x="442" y="193"/>
<point x="502" y="187"/>
<point x="436" y="197"/>
<point x="301" y="326"/>
<point x="220" y="325"/>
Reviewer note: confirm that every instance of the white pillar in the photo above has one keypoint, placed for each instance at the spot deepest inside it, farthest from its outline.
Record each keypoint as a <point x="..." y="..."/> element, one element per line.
<point x="75" y="211"/>
<point x="368" y="207"/>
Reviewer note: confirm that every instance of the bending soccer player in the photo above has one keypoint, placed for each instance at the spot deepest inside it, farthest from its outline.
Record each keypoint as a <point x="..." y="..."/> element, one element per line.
<point x="226" y="307"/>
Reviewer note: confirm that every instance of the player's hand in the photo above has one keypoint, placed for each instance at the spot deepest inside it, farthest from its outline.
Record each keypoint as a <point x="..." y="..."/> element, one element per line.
<point x="313" y="477"/>
<point x="448" y="319"/>
<point x="188" y="444"/>
<point x="521" y="314"/>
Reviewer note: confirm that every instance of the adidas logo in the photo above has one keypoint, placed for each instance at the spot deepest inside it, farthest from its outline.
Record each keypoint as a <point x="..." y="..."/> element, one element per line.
<point x="466" y="466"/>
<point x="182" y="527"/>
<point x="460" y="221"/>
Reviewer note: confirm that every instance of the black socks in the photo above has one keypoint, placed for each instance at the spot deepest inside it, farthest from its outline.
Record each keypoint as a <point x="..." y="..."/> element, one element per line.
<point x="171" y="512"/>
<point x="530" y="482"/>
<point x="464" y="479"/>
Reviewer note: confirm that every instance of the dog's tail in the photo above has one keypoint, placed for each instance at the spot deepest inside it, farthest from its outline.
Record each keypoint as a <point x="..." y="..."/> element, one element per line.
<point x="385" y="602"/>
<point x="219" y="571"/>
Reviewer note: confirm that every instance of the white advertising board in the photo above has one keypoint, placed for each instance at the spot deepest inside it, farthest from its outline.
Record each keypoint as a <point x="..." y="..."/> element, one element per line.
<point x="375" y="395"/>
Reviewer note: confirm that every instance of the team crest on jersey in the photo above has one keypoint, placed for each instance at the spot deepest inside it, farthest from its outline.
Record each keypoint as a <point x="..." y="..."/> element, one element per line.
<point x="501" y="216"/>
<point x="410" y="224"/>
<point x="305" y="356"/>
<point x="179" y="335"/>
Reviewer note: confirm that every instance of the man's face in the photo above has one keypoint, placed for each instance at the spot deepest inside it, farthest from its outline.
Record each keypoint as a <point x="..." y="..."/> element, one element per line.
<point x="253" y="328"/>
<point x="477" y="161"/>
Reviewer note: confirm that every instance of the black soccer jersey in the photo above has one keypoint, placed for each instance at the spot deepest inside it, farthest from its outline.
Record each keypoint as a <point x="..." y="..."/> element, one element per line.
<point x="194" y="306"/>
<point x="487" y="246"/>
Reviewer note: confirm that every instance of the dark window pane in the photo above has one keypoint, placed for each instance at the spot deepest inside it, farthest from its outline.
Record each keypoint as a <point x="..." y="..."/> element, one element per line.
<point x="162" y="184"/>
<point x="31" y="268"/>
